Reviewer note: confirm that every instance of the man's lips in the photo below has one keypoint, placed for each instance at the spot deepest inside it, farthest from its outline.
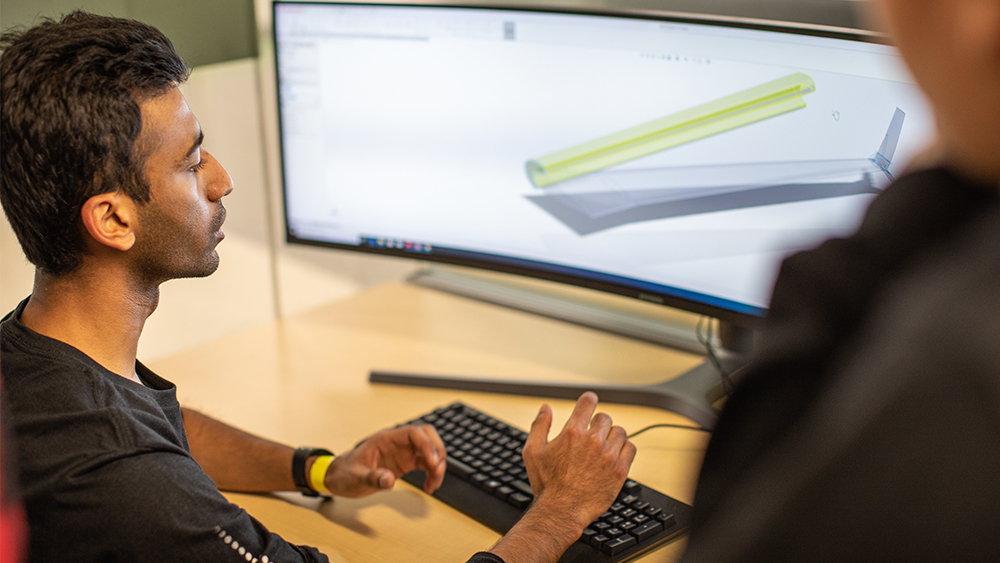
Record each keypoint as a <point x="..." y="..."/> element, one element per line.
<point x="219" y="220"/>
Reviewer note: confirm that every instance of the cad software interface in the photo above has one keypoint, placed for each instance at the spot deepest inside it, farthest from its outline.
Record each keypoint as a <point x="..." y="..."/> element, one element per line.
<point x="690" y="158"/>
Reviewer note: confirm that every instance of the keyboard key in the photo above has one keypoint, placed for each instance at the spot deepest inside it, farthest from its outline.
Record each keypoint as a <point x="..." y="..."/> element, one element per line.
<point x="598" y="540"/>
<point x="587" y="534"/>
<point x="618" y="545"/>
<point x="647" y="530"/>
<point x="519" y="500"/>
<point x="523" y="487"/>
<point x="631" y="487"/>
<point x="503" y="492"/>
<point x="667" y="520"/>
<point x="459" y="468"/>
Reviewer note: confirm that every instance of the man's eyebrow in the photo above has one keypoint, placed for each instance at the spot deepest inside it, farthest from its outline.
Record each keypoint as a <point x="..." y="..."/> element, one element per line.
<point x="196" y="145"/>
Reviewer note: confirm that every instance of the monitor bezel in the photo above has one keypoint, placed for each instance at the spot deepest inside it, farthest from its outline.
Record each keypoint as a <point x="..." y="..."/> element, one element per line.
<point x="736" y="313"/>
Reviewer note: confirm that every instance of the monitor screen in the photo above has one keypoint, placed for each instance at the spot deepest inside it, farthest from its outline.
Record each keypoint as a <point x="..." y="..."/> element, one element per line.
<point x="676" y="160"/>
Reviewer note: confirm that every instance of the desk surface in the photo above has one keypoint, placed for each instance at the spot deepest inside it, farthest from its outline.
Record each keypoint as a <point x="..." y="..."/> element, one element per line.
<point x="303" y="381"/>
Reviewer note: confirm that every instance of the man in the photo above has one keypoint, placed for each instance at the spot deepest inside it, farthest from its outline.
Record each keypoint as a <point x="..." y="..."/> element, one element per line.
<point x="869" y="426"/>
<point x="110" y="192"/>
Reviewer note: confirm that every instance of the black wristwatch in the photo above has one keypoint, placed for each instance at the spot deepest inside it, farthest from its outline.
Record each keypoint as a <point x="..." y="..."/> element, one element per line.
<point x="299" y="469"/>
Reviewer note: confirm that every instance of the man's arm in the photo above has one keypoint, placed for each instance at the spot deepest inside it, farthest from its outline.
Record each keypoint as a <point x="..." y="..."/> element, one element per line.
<point x="239" y="461"/>
<point x="575" y="477"/>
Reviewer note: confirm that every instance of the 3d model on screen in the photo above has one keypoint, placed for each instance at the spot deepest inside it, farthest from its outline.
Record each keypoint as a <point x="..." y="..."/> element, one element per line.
<point x="725" y="114"/>
<point x="609" y="198"/>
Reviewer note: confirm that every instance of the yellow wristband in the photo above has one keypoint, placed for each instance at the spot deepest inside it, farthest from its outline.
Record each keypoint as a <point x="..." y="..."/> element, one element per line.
<point x="317" y="474"/>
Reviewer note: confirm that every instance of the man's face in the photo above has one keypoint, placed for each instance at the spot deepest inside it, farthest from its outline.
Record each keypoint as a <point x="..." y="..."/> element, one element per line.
<point x="181" y="225"/>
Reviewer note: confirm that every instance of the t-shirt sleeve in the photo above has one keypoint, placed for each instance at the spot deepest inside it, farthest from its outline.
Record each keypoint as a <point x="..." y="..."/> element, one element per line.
<point x="158" y="507"/>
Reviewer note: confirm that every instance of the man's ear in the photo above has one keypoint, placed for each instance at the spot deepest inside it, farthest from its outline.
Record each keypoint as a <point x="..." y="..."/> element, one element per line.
<point x="110" y="219"/>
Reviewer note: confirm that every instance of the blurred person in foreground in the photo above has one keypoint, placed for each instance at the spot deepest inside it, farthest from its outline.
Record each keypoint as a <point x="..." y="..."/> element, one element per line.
<point x="868" y="428"/>
<point x="106" y="182"/>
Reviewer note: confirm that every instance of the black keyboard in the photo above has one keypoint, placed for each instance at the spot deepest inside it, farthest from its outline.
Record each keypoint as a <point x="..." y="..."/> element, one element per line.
<point x="486" y="480"/>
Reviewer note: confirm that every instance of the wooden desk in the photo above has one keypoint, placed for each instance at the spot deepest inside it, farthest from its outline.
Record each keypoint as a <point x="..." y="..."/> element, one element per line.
<point x="303" y="381"/>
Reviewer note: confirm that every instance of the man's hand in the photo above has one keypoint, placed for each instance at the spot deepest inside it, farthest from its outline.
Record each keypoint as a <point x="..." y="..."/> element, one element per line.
<point x="575" y="478"/>
<point x="583" y="469"/>
<point x="378" y="461"/>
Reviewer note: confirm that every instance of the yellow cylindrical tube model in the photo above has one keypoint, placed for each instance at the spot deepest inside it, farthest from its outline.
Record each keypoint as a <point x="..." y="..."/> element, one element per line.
<point x="736" y="110"/>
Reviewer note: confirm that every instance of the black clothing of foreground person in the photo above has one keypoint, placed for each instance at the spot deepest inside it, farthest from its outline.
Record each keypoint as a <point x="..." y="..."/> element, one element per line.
<point x="867" y="429"/>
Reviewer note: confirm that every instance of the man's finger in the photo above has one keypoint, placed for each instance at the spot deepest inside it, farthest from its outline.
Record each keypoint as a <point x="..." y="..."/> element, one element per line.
<point x="539" y="434"/>
<point x="628" y="453"/>
<point x="601" y="424"/>
<point x="374" y="478"/>
<point x="427" y="444"/>
<point x="583" y="411"/>
<point x="435" y="476"/>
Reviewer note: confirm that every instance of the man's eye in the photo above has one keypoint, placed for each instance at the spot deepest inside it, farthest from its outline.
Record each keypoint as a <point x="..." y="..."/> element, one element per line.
<point x="197" y="167"/>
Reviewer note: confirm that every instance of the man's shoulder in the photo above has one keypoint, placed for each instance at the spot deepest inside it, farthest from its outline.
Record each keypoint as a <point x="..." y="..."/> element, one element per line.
<point x="39" y="369"/>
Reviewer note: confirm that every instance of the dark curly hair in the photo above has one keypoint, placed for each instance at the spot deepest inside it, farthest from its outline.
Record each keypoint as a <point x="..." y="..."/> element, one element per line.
<point x="69" y="119"/>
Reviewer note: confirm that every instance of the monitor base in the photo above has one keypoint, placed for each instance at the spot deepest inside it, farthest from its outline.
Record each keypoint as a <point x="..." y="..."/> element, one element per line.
<point x="691" y="394"/>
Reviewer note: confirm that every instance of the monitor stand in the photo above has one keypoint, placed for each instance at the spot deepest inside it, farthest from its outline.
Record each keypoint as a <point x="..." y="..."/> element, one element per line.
<point x="691" y="394"/>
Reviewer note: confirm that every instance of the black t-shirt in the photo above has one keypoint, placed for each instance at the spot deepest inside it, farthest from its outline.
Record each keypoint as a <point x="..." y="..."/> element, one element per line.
<point x="868" y="428"/>
<point x="105" y="470"/>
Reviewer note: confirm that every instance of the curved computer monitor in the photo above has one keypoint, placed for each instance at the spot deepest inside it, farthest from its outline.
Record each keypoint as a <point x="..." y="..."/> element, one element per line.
<point x="673" y="159"/>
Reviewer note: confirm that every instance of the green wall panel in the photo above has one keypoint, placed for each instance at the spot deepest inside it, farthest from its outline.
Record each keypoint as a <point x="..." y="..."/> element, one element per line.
<point x="204" y="31"/>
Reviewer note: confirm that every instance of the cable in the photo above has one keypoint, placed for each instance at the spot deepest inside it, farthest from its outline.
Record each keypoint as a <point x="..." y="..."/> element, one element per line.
<point x="706" y="338"/>
<point x="681" y="426"/>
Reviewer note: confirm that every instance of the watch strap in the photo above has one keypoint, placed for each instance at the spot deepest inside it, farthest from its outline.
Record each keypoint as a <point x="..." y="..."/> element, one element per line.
<point x="299" y="469"/>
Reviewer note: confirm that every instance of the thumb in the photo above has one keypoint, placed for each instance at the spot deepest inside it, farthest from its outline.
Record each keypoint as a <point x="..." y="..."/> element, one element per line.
<point x="381" y="479"/>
